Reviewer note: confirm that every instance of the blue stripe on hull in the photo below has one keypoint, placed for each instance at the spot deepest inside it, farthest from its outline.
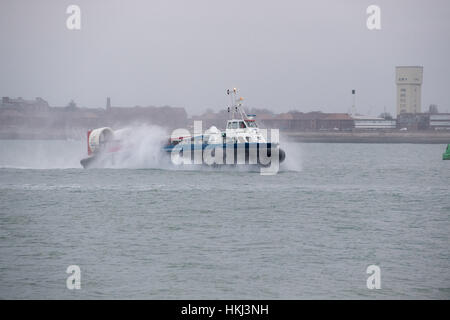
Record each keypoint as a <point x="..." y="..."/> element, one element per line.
<point x="203" y="146"/>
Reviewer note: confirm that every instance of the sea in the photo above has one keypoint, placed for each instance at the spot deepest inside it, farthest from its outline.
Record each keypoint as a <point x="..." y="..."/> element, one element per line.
<point x="314" y="230"/>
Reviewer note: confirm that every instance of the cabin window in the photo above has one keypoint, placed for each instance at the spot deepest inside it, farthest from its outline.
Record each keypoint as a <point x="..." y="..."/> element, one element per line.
<point x="234" y="125"/>
<point x="242" y="125"/>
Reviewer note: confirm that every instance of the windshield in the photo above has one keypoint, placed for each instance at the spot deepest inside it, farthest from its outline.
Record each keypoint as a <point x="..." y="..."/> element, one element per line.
<point x="251" y="124"/>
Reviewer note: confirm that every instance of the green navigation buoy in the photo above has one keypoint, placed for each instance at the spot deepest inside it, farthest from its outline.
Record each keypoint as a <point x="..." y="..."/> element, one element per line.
<point x="446" y="155"/>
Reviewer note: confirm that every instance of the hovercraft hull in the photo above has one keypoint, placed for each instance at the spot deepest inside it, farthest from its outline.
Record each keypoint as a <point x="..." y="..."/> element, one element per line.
<point x="237" y="153"/>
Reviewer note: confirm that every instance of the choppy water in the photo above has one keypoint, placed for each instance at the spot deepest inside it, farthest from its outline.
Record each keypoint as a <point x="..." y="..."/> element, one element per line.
<point x="308" y="232"/>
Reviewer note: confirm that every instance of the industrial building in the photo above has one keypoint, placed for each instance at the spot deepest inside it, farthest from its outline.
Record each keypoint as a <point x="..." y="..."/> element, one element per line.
<point x="424" y="121"/>
<point x="413" y="121"/>
<point x="311" y="121"/>
<point x="440" y="121"/>
<point x="409" y="89"/>
<point x="373" y="123"/>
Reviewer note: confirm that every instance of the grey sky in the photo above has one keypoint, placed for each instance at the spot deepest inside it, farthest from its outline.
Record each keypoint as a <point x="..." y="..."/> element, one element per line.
<point x="283" y="55"/>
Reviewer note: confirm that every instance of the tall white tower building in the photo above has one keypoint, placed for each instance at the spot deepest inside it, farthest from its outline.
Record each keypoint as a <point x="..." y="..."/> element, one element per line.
<point x="409" y="89"/>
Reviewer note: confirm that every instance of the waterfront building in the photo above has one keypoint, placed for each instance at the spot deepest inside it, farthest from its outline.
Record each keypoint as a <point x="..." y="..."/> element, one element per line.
<point x="409" y="89"/>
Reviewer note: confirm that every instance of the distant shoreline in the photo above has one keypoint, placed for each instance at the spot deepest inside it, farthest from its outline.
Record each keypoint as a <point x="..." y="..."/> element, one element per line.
<point x="424" y="137"/>
<point x="427" y="137"/>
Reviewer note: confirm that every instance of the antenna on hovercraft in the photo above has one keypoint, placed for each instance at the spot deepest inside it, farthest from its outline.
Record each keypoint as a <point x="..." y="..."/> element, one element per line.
<point x="236" y="104"/>
<point x="232" y="93"/>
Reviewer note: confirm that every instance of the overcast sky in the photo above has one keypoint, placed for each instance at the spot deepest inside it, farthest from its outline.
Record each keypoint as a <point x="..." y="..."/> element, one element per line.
<point x="283" y="55"/>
